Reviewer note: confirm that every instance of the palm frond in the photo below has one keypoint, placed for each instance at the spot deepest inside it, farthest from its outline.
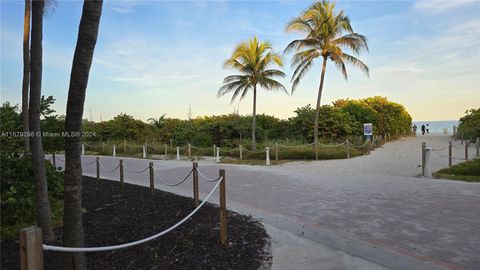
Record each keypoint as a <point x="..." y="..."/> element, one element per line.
<point x="356" y="62"/>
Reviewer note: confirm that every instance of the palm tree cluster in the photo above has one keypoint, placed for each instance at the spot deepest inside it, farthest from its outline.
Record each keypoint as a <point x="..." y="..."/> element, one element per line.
<point x="327" y="35"/>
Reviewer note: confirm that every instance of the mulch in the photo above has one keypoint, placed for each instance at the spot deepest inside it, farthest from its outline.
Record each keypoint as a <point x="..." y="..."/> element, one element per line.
<point x="113" y="216"/>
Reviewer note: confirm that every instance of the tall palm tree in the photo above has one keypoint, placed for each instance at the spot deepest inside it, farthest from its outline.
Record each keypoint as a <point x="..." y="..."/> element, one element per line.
<point x="43" y="210"/>
<point x="26" y="72"/>
<point x="327" y="35"/>
<point x="82" y="61"/>
<point x="253" y="59"/>
<point x="158" y="123"/>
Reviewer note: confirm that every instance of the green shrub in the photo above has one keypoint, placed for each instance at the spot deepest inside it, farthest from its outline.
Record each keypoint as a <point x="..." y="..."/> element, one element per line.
<point x="469" y="125"/>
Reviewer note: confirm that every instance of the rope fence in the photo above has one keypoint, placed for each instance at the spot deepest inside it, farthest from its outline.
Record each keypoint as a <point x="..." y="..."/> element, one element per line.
<point x="427" y="150"/>
<point x="31" y="238"/>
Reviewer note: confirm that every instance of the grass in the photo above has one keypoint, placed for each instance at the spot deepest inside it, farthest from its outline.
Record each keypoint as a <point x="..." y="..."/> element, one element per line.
<point x="251" y="161"/>
<point x="467" y="171"/>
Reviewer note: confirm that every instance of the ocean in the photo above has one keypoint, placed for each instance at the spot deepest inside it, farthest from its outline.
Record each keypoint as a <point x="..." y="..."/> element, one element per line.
<point x="437" y="126"/>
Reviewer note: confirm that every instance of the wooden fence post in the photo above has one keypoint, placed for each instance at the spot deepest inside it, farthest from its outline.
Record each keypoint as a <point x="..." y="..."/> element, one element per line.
<point x="31" y="249"/>
<point x="223" y="210"/>
<point x="152" y="183"/>
<point x="276" y="151"/>
<point x="466" y="151"/>
<point x="124" y="146"/>
<point x="121" y="173"/>
<point x="241" y="154"/>
<point x="189" y="150"/>
<point x="449" y="154"/>
<point x="214" y="150"/>
<point x="423" y="158"/>
<point x="267" y="156"/>
<point x="195" y="184"/>
<point x="166" y="150"/>
<point x="178" y="153"/>
<point x="98" y="168"/>
<point x="477" y="144"/>
<point x="348" y="148"/>
<point x="54" y="160"/>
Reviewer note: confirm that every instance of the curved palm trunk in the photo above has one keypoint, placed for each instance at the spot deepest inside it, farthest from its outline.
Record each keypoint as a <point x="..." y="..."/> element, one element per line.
<point x="82" y="61"/>
<point x="317" y="112"/>
<point x="26" y="72"/>
<point x="43" y="211"/>
<point x="254" y="118"/>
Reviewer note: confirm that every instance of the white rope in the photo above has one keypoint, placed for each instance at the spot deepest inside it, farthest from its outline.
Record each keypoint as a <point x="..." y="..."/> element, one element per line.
<point x="133" y="171"/>
<point x="439" y="150"/>
<point x="172" y="185"/>
<point x="332" y="145"/>
<point x="206" y="178"/>
<point x="109" y="171"/>
<point x="295" y="146"/>
<point x="359" y="146"/>
<point x="134" y="243"/>
<point x="88" y="164"/>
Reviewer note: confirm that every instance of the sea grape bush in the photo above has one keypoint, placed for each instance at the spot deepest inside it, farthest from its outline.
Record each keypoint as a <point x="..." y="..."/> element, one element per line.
<point x="470" y="124"/>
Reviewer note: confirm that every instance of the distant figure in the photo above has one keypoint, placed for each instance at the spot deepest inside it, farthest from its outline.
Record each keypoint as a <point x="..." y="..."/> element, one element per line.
<point x="423" y="129"/>
<point x="428" y="130"/>
<point x="414" y="128"/>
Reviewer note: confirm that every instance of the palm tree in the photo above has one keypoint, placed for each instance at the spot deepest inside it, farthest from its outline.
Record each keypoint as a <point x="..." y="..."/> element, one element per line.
<point x="158" y="123"/>
<point x="327" y="34"/>
<point x="82" y="61"/>
<point x="253" y="59"/>
<point x="43" y="210"/>
<point x="26" y="72"/>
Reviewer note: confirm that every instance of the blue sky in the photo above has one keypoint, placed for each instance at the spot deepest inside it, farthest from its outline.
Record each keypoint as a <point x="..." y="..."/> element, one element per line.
<point x="156" y="57"/>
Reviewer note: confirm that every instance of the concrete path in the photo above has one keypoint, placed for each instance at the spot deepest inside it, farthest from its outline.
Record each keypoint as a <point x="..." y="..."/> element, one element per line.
<point x="370" y="208"/>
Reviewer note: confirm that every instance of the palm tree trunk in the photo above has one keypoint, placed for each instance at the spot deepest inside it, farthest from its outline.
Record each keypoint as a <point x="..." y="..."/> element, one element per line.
<point x="26" y="73"/>
<point x="82" y="61"/>
<point x="254" y="118"/>
<point x="317" y="112"/>
<point x="43" y="211"/>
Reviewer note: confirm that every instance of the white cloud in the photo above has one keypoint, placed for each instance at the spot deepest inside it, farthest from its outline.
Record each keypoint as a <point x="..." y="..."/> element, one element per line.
<point x="439" y="6"/>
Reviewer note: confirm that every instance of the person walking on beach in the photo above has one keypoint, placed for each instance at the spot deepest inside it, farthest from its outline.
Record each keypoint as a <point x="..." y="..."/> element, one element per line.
<point x="428" y="130"/>
<point x="423" y="129"/>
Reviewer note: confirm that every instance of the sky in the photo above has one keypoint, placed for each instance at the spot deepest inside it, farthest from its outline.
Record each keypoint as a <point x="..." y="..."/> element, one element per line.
<point x="161" y="57"/>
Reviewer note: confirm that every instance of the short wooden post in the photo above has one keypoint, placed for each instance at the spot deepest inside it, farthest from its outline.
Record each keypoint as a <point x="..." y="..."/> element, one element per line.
<point x="144" y="151"/>
<point x="223" y="210"/>
<point x="423" y="158"/>
<point x="466" y="151"/>
<point x="83" y="149"/>
<point x="449" y="154"/>
<point x="178" y="153"/>
<point x="428" y="169"/>
<point x="166" y="150"/>
<point x="348" y="148"/>
<point x="477" y="145"/>
<point x="121" y="173"/>
<point x="31" y="249"/>
<point x="152" y="183"/>
<point x="124" y="146"/>
<point x="276" y="151"/>
<point x="189" y="150"/>
<point x="386" y="137"/>
<point x="217" y="159"/>
<point x="114" y="152"/>
<point x="195" y="184"/>
<point x="241" y="153"/>
<point x="98" y="168"/>
<point x="267" y="156"/>
<point x="214" y="149"/>
<point x="54" y="160"/>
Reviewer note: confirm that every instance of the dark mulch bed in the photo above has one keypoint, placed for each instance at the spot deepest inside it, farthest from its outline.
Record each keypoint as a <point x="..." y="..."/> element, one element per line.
<point x="116" y="216"/>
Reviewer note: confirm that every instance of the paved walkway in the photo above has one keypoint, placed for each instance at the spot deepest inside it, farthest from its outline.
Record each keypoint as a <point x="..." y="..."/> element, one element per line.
<point x="370" y="207"/>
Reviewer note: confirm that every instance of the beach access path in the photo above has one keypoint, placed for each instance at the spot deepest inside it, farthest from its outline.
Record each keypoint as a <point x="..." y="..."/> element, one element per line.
<point x="368" y="212"/>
